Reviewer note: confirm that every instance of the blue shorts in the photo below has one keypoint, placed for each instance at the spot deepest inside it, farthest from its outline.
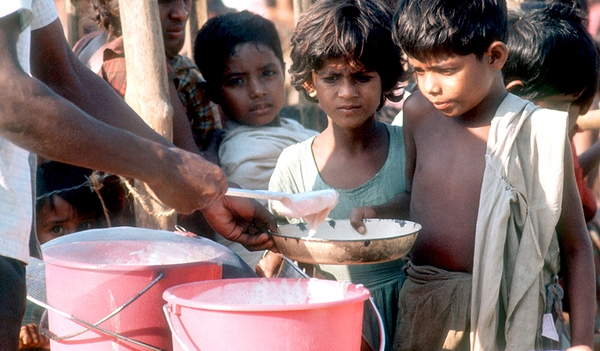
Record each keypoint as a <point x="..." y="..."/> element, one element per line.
<point x="13" y="292"/>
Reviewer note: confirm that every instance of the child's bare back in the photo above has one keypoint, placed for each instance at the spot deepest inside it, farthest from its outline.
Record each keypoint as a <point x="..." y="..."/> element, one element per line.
<point x="446" y="183"/>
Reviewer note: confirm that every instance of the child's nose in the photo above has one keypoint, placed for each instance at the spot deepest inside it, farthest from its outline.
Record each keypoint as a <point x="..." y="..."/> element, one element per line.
<point x="430" y="84"/>
<point x="348" y="89"/>
<point x="257" y="88"/>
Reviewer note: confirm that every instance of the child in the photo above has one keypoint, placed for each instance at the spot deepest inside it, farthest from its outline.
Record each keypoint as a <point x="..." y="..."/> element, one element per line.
<point x="69" y="200"/>
<point x="490" y="178"/>
<point x="240" y="56"/>
<point x="540" y="44"/>
<point x="345" y="60"/>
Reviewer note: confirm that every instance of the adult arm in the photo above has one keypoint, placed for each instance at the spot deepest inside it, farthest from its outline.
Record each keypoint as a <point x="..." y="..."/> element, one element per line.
<point x="37" y="119"/>
<point x="576" y="260"/>
<point x="54" y="63"/>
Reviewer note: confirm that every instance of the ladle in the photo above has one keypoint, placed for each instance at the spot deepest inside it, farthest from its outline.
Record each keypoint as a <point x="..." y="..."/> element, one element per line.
<point x="312" y="206"/>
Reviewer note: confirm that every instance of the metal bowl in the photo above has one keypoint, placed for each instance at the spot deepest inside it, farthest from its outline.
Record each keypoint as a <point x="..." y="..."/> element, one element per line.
<point x="337" y="242"/>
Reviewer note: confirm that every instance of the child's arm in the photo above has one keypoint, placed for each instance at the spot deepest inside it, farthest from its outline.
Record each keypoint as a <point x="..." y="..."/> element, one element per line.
<point x="576" y="260"/>
<point x="399" y="205"/>
<point x="590" y="158"/>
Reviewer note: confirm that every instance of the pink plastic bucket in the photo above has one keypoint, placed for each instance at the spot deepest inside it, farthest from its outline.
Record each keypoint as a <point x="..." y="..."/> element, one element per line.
<point x="258" y="314"/>
<point x="91" y="280"/>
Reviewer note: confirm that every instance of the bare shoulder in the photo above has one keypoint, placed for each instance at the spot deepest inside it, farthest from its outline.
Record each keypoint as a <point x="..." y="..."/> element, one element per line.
<point x="417" y="109"/>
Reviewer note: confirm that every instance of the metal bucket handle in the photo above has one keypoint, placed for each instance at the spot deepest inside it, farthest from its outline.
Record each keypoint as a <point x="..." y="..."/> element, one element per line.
<point x="95" y="326"/>
<point x="175" y="335"/>
<point x="303" y="274"/>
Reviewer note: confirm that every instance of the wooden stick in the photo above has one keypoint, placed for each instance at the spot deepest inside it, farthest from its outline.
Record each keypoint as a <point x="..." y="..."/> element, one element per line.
<point x="590" y="120"/>
<point x="147" y="89"/>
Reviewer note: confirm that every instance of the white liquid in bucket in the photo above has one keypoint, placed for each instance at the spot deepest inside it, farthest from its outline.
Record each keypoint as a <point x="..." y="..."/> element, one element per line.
<point x="269" y="292"/>
<point x="156" y="254"/>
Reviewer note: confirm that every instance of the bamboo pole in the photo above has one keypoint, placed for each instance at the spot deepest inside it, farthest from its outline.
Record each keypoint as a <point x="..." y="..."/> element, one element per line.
<point x="300" y="6"/>
<point x="147" y="92"/>
<point x="310" y="114"/>
<point x="73" y="10"/>
<point x="198" y="16"/>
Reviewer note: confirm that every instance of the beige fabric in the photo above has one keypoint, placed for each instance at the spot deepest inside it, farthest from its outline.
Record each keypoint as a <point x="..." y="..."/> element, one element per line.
<point x="248" y="154"/>
<point x="519" y="208"/>
<point x="433" y="310"/>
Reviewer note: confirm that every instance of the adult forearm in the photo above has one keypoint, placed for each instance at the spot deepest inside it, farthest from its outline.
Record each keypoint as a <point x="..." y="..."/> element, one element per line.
<point x="69" y="78"/>
<point x="38" y="120"/>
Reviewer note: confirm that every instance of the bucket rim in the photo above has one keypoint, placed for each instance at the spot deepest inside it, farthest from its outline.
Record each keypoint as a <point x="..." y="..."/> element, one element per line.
<point x="85" y="266"/>
<point x="169" y="295"/>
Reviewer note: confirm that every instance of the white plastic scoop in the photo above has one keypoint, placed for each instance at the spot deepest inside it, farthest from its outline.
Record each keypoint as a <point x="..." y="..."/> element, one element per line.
<point x="312" y="206"/>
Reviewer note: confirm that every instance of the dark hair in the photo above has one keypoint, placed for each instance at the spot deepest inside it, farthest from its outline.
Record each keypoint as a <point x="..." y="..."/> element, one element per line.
<point x="358" y="31"/>
<point x="219" y="37"/>
<point x="73" y="184"/>
<point x="66" y="181"/>
<point x="552" y="53"/>
<point x="105" y="13"/>
<point x="436" y="28"/>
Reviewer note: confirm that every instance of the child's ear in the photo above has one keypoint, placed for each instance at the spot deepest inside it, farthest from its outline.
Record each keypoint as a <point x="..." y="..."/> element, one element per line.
<point x="310" y="88"/>
<point x="515" y="84"/>
<point x="497" y="53"/>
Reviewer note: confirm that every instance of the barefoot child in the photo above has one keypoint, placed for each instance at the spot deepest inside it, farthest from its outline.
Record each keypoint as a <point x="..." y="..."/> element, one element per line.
<point x="490" y="178"/>
<point x="344" y="59"/>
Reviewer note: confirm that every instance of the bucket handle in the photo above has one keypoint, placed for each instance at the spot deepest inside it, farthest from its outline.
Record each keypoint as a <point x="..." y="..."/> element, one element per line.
<point x="95" y="326"/>
<point x="175" y="335"/>
<point x="371" y="302"/>
<point x="381" y="326"/>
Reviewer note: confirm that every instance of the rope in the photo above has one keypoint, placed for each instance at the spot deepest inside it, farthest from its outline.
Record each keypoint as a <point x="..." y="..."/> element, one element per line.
<point x="136" y="195"/>
<point x="95" y="182"/>
<point x="96" y="185"/>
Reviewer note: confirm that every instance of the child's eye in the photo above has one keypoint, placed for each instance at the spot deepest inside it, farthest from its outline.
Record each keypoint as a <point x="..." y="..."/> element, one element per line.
<point x="58" y="230"/>
<point x="269" y="73"/>
<point x="234" y="81"/>
<point x="330" y="79"/>
<point x="363" y="78"/>
<point x="85" y="226"/>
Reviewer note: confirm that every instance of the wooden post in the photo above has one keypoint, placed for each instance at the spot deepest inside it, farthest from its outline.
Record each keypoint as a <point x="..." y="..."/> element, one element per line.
<point x="198" y="16"/>
<point x="147" y="91"/>
<point x="311" y="115"/>
<point x="73" y="10"/>
<point x="300" y="6"/>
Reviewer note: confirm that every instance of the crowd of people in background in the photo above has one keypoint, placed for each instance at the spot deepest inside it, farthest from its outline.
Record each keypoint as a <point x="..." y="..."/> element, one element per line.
<point x="460" y="115"/>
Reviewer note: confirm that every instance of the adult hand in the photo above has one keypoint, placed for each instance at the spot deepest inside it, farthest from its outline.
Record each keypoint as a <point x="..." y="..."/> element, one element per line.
<point x="358" y="214"/>
<point x="242" y="220"/>
<point x="31" y="338"/>
<point x="189" y="182"/>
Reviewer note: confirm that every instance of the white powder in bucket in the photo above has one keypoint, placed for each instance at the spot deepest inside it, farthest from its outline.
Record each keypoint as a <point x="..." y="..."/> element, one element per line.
<point x="275" y="292"/>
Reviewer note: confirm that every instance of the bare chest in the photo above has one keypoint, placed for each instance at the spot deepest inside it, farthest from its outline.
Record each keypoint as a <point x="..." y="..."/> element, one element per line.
<point x="445" y="192"/>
